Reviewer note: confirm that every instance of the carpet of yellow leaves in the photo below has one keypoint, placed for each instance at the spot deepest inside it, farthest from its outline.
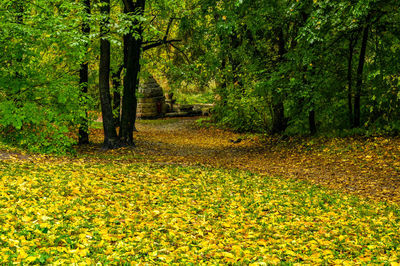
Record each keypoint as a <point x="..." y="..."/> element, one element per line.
<point x="79" y="212"/>
<point x="160" y="204"/>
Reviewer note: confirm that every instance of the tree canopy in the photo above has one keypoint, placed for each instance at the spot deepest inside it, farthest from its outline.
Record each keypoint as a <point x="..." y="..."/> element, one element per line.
<point x="277" y="67"/>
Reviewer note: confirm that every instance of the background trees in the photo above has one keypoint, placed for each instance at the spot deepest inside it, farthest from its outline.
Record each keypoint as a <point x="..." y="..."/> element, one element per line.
<point x="282" y="66"/>
<point x="299" y="66"/>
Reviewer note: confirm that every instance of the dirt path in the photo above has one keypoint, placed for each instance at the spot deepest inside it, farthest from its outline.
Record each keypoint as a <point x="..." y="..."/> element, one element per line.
<point x="366" y="167"/>
<point x="369" y="167"/>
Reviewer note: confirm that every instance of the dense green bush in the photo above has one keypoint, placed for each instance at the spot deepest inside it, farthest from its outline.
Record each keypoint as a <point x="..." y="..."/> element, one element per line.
<point x="39" y="93"/>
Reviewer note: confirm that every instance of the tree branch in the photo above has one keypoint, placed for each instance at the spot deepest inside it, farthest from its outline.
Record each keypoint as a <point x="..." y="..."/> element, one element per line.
<point x="159" y="43"/>
<point x="182" y="52"/>
<point x="171" y="20"/>
<point x="153" y="44"/>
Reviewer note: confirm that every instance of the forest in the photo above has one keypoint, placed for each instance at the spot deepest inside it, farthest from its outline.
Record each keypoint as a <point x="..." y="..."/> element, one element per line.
<point x="274" y="67"/>
<point x="291" y="157"/>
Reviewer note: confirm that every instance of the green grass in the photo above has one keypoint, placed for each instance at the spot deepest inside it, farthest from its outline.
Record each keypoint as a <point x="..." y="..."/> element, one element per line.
<point x="194" y="98"/>
<point x="96" y="125"/>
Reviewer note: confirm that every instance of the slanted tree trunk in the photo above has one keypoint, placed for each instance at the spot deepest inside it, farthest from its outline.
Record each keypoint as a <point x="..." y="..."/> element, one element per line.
<point x="132" y="53"/>
<point x="116" y="82"/>
<point x="110" y="134"/>
<point x="84" y="78"/>
<point x="360" y="69"/>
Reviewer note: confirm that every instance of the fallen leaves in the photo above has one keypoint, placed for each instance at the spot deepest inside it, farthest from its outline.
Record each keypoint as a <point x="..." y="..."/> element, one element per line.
<point x="366" y="167"/>
<point x="72" y="212"/>
<point x="159" y="204"/>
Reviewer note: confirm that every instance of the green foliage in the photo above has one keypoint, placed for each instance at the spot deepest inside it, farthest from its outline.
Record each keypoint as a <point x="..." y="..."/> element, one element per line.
<point x="296" y="53"/>
<point x="39" y="93"/>
<point x="268" y="65"/>
<point x="185" y="97"/>
<point x="241" y="111"/>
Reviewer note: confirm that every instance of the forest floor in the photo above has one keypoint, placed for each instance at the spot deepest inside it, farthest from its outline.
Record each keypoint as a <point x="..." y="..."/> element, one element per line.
<point x="194" y="195"/>
<point x="368" y="167"/>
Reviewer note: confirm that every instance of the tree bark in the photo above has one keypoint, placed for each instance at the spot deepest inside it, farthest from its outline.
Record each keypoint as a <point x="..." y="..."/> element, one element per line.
<point x="110" y="134"/>
<point x="132" y="54"/>
<point x="279" y="122"/>
<point x="84" y="78"/>
<point x="350" y="83"/>
<point x="116" y="82"/>
<point x="360" y="69"/>
<point x="311" y="122"/>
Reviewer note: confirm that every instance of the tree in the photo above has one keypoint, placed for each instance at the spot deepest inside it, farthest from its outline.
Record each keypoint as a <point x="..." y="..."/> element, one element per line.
<point x="132" y="52"/>
<point x="360" y="69"/>
<point x="39" y="93"/>
<point x="84" y="77"/>
<point x="111" y="139"/>
<point x="134" y="45"/>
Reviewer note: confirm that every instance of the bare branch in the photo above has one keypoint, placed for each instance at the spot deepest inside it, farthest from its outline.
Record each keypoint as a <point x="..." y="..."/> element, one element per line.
<point x="182" y="52"/>
<point x="159" y="43"/>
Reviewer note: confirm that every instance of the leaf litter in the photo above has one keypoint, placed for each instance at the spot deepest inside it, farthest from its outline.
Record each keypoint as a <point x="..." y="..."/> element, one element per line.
<point x="186" y="194"/>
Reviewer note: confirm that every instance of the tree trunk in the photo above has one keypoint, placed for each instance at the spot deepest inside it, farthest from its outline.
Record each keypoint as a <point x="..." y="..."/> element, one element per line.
<point x="116" y="82"/>
<point x="350" y="83"/>
<point x="84" y="78"/>
<point x="279" y="122"/>
<point x="360" y="69"/>
<point x="132" y="58"/>
<point x="110" y="133"/>
<point x="234" y="44"/>
<point x="311" y="122"/>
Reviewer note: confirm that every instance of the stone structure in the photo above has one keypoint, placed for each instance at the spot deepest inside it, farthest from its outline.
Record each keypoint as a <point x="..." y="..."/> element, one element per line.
<point x="151" y="101"/>
<point x="169" y="101"/>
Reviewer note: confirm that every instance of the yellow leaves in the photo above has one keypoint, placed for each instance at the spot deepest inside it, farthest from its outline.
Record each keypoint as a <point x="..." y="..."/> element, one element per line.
<point x="226" y="225"/>
<point x="26" y="218"/>
<point x="290" y="253"/>
<point x="182" y="249"/>
<point x="228" y="255"/>
<point x="22" y="255"/>
<point x="109" y="250"/>
<point x="343" y="262"/>
<point x="82" y="252"/>
<point x="45" y="218"/>
<point x="31" y="259"/>
<point x="262" y="242"/>
<point x="165" y="258"/>
<point x="237" y="249"/>
<point x="122" y="212"/>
